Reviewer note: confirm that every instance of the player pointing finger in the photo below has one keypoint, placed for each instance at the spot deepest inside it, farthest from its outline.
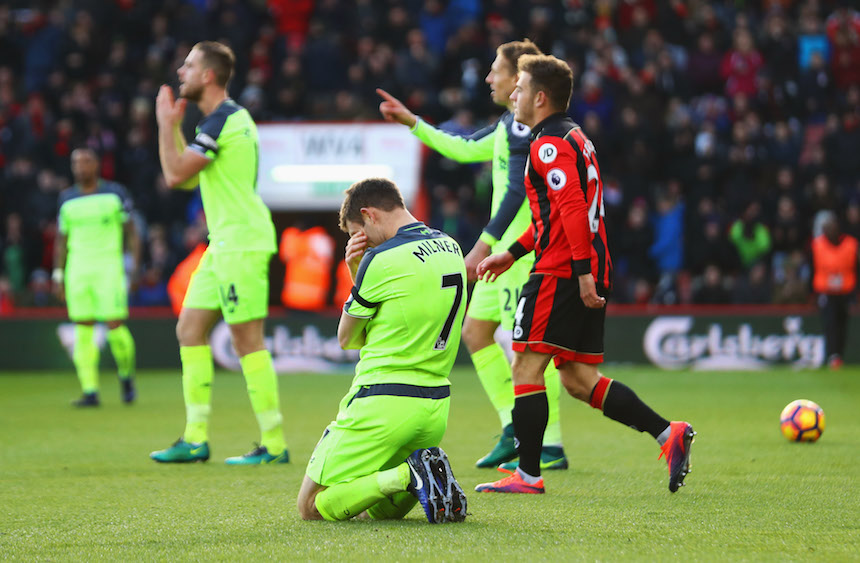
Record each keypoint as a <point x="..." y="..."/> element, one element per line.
<point x="393" y="110"/>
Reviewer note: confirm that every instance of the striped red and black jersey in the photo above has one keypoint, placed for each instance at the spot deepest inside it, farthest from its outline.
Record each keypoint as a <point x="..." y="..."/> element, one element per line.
<point x="565" y="194"/>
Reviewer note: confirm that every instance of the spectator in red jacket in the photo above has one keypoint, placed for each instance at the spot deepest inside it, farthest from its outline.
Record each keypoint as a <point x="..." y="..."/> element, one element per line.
<point x="740" y="66"/>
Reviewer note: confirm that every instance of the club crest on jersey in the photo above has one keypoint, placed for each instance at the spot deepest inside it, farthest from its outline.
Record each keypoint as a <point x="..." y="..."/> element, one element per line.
<point x="556" y="179"/>
<point x="547" y="153"/>
<point x="519" y="129"/>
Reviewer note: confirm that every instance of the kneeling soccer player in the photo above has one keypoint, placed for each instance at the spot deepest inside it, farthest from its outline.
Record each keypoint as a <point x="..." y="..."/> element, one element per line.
<point x="381" y="454"/>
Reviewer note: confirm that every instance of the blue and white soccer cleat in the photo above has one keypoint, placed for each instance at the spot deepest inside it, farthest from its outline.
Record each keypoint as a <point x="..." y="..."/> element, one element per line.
<point x="433" y="484"/>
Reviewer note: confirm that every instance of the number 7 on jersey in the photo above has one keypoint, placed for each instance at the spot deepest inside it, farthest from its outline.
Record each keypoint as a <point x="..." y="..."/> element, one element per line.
<point x="455" y="281"/>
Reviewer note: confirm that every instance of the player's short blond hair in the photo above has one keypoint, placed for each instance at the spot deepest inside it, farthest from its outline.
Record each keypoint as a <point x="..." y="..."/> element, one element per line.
<point x="219" y="58"/>
<point x="513" y="50"/>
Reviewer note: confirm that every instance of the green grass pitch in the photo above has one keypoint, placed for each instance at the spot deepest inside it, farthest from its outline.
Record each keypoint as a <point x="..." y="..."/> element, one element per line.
<point x="78" y="485"/>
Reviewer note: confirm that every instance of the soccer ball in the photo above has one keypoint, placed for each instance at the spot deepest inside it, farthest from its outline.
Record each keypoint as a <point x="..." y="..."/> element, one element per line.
<point x="802" y="421"/>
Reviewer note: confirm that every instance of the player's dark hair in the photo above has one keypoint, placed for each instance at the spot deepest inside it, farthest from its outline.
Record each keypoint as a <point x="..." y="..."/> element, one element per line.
<point x="513" y="50"/>
<point x="219" y="58"/>
<point x="551" y="76"/>
<point x="380" y="193"/>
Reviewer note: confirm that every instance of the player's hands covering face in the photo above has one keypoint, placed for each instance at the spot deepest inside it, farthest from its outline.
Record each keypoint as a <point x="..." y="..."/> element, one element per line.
<point x="355" y="247"/>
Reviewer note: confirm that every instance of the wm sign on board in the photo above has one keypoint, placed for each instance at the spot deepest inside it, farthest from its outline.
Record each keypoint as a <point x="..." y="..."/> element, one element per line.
<point x="308" y="166"/>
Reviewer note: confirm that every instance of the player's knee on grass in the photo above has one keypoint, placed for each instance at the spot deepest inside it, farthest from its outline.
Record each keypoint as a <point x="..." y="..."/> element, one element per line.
<point x="306" y="501"/>
<point x="308" y="509"/>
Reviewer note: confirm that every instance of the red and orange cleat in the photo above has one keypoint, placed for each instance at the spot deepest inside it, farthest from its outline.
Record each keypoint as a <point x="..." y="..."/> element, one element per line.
<point x="677" y="452"/>
<point x="512" y="484"/>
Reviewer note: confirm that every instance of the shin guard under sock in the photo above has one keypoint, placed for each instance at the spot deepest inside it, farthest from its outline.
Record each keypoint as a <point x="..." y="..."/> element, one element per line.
<point x="621" y="404"/>
<point x="530" y="414"/>
<point x="197" y="374"/>
<point x="494" y="371"/>
<point x="86" y="358"/>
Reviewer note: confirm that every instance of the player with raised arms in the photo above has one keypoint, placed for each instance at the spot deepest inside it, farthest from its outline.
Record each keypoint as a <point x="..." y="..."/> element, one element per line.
<point x="561" y="313"/>
<point x="232" y="279"/>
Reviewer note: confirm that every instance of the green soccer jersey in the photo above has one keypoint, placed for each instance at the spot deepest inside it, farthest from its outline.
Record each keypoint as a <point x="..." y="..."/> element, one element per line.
<point x="94" y="224"/>
<point x="412" y="290"/>
<point x="506" y="143"/>
<point x="236" y="216"/>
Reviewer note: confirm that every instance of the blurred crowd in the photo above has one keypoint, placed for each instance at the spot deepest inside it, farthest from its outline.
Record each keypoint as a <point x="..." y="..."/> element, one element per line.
<point x="722" y="127"/>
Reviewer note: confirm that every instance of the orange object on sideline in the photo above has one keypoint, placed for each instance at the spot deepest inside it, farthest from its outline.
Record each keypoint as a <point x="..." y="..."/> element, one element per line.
<point x="309" y="256"/>
<point x="835" y="265"/>
<point x="344" y="284"/>
<point x="177" y="285"/>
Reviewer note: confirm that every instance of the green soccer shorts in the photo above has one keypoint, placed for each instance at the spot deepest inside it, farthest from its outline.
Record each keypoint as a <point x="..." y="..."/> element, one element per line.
<point x="236" y="282"/>
<point x="98" y="295"/>
<point x="377" y="432"/>
<point x="497" y="301"/>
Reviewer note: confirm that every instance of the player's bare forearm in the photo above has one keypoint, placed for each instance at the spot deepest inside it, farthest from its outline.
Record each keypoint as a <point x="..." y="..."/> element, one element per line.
<point x="168" y="154"/>
<point x="356" y="341"/>
<point x="194" y="180"/>
<point x="57" y="277"/>
<point x="351" y="333"/>
<point x="480" y="251"/>
<point x="60" y="252"/>
<point x="493" y="266"/>
<point x="179" y="138"/>
<point x="178" y="164"/>
<point x="133" y="244"/>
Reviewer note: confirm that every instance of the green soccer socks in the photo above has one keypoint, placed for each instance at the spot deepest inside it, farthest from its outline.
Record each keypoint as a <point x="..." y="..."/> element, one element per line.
<point x="494" y="371"/>
<point x="86" y="358"/>
<point x="393" y="507"/>
<point x="552" y="380"/>
<point x="122" y="347"/>
<point x="345" y="500"/>
<point x="197" y="373"/>
<point x="262" y="385"/>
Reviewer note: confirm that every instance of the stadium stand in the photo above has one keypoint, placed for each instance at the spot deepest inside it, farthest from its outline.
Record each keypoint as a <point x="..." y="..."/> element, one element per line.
<point x="697" y="108"/>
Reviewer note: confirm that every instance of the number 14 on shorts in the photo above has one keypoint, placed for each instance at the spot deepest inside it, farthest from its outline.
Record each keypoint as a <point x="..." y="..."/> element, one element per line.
<point x="229" y="299"/>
